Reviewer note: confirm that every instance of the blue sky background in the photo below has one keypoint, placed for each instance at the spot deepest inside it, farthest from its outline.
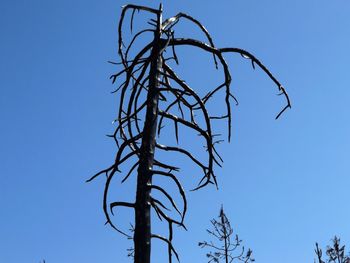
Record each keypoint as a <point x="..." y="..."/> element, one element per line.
<point x="284" y="184"/>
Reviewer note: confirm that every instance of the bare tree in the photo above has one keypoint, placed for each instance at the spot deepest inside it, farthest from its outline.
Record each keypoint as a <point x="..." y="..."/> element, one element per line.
<point x="149" y="73"/>
<point x="227" y="246"/>
<point x="334" y="253"/>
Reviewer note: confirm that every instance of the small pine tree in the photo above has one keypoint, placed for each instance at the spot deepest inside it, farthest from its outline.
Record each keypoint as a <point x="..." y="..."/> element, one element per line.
<point x="228" y="247"/>
<point x="335" y="253"/>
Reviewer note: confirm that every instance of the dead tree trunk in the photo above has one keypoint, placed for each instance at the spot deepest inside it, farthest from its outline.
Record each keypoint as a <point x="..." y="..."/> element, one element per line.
<point x="142" y="235"/>
<point x="150" y="87"/>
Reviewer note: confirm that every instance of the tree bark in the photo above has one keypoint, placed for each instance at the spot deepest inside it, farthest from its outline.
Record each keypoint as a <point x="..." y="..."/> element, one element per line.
<point x="142" y="235"/>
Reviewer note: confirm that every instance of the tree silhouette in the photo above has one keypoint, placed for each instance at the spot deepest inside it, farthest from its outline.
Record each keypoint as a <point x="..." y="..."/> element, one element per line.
<point x="334" y="253"/>
<point x="149" y="74"/>
<point x="229" y="244"/>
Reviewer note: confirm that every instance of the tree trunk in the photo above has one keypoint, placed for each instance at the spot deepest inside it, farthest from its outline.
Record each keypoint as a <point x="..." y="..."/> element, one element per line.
<point x="142" y="235"/>
<point x="222" y="216"/>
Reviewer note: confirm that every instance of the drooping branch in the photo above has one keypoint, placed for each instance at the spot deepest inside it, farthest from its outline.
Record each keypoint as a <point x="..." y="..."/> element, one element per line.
<point x="180" y="188"/>
<point x="244" y="53"/>
<point x="169" y="243"/>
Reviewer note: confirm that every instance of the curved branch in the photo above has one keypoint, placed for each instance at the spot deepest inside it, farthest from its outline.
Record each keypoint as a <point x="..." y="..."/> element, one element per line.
<point x="202" y="133"/>
<point x="196" y="43"/>
<point x="173" y="20"/>
<point x="167" y="218"/>
<point x="127" y="81"/>
<point x="169" y="244"/>
<point x="124" y="204"/>
<point x="167" y="195"/>
<point x="130" y="171"/>
<point x="210" y="145"/>
<point x="181" y="190"/>
<point x="183" y="151"/>
<point x="133" y="40"/>
<point x="121" y="20"/>
<point x="105" y="210"/>
<point x="156" y="201"/>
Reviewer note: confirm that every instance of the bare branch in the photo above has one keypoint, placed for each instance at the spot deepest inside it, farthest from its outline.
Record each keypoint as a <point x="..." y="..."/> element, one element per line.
<point x="124" y="204"/>
<point x="169" y="244"/>
<point x="167" y="195"/>
<point x="181" y="190"/>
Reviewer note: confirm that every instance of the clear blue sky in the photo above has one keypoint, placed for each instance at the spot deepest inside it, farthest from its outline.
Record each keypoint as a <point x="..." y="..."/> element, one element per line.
<point x="284" y="184"/>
